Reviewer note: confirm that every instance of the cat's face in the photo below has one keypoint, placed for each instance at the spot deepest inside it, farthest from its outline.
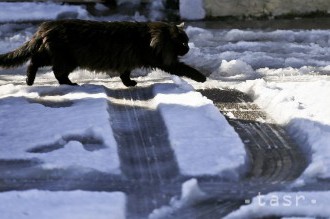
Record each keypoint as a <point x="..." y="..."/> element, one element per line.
<point x="180" y="40"/>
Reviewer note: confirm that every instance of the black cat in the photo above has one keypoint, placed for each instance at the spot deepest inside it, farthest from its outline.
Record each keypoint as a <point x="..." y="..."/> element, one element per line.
<point x="103" y="46"/>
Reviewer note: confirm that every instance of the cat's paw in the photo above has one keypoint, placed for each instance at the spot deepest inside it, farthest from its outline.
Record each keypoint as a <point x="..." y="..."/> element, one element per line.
<point x="199" y="78"/>
<point x="130" y="83"/>
<point x="29" y="81"/>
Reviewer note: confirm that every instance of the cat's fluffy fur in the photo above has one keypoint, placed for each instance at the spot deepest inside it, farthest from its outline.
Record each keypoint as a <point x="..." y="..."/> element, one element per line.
<point x="103" y="46"/>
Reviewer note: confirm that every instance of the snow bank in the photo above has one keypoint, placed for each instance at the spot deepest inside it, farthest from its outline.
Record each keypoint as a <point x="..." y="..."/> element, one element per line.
<point x="280" y="204"/>
<point x="257" y="48"/>
<point x="13" y="11"/>
<point x="63" y="127"/>
<point x="192" y="9"/>
<point x="203" y="141"/>
<point x="190" y="194"/>
<point x="302" y="108"/>
<point x="278" y="55"/>
<point x="301" y="56"/>
<point x="234" y="69"/>
<point x="65" y="205"/>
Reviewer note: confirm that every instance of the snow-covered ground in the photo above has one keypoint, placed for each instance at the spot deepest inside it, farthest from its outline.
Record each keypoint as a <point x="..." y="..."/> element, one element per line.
<point x="66" y="205"/>
<point x="284" y="71"/>
<point x="13" y="11"/>
<point x="36" y="11"/>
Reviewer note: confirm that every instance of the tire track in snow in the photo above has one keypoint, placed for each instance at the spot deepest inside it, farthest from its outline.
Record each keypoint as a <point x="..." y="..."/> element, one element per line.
<point x="274" y="159"/>
<point x="142" y="137"/>
<point x="144" y="149"/>
<point x="273" y="155"/>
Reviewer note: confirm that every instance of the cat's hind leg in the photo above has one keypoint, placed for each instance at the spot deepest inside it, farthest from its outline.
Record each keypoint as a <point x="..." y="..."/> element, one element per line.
<point x="63" y="77"/>
<point x="62" y="72"/>
<point x="127" y="81"/>
<point x="63" y="65"/>
<point x="62" y="62"/>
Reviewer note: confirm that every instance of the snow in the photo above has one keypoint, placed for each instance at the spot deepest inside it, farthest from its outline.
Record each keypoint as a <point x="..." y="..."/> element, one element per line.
<point x="298" y="55"/>
<point x="33" y="204"/>
<point x="37" y="118"/>
<point x="301" y="107"/>
<point x="39" y="11"/>
<point x="291" y="84"/>
<point x="193" y="123"/>
<point x="286" y="72"/>
<point x="234" y="69"/>
<point x="271" y="49"/>
<point x="192" y="9"/>
<point x="190" y="194"/>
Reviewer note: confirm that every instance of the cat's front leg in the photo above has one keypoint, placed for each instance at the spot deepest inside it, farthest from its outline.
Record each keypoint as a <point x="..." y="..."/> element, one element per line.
<point x="181" y="69"/>
<point x="127" y="81"/>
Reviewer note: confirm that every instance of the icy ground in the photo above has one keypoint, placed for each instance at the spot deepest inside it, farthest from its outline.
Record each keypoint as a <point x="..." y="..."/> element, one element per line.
<point x="61" y="127"/>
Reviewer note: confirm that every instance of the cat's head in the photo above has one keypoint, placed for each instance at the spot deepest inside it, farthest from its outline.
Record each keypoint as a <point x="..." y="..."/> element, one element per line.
<point x="168" y="41"/>
<point x="171" y="37"/>
<point x="180" y="39"/>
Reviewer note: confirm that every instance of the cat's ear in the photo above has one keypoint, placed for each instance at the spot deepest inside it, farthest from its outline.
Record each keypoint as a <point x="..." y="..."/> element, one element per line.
<point x="180" y="26"/>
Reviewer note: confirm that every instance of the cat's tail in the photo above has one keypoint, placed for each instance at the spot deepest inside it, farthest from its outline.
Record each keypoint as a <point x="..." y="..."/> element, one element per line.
<point x="20" y="55"/>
